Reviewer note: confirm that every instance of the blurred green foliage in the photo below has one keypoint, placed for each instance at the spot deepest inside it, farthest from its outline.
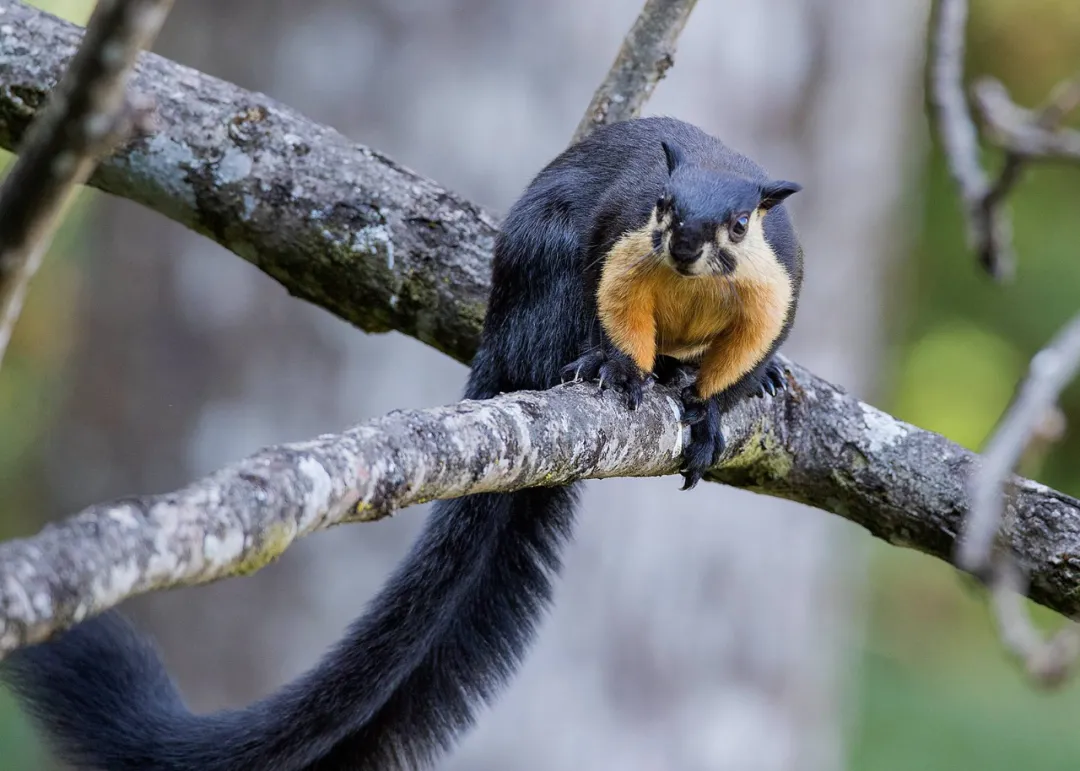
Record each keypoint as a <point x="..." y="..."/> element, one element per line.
<point x="31" y="379"/>
<point x="30" y="384"/>
<point x="934" y="692"/>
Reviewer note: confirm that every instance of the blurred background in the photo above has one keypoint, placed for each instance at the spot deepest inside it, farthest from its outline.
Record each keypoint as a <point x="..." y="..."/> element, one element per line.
<point x="715" y="630"/>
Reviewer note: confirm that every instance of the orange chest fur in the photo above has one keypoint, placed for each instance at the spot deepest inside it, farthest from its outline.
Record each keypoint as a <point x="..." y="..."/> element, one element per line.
<point x="648" y="309"/>
<point x="688" y="313"/>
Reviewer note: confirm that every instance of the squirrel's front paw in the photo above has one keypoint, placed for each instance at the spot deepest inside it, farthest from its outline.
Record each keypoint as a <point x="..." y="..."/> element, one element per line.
<point x="672" y="372"/>
<point x="613" y="370"/>
<point x="583" y="368"/>
<point x="706" y="437"/>
<point x="620" y="373"/>
<point x="771" y="379"/>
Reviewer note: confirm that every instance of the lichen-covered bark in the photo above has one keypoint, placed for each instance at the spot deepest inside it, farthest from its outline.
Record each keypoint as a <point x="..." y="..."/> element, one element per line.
<point x="243" y="516"/>
<point x="905" y="485"/>
<point x="815" y="444"/>
<point x="334" y="222"/>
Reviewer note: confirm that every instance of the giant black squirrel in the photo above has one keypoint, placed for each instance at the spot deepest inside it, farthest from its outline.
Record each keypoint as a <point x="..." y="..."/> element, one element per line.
<point x="647" y="250"/>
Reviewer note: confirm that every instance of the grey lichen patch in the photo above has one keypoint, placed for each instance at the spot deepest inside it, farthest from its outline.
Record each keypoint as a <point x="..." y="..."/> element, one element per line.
<point x="882" y="430"/>
<point x="223" y="549"/>
<point x="151" y="164"/>
<point x="375" y="241"/>
<point x="235" y="165"/>
<point x="319" y="494"/>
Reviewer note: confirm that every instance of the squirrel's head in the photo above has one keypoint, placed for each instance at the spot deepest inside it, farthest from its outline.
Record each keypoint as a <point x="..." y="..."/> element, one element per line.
<point x="706" y="221"/>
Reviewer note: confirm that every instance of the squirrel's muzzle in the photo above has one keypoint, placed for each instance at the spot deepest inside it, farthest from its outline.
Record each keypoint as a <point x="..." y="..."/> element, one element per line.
<point x="686" y="246"/>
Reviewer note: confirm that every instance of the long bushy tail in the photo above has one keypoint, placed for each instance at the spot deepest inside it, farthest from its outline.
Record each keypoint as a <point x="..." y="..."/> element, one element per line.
<point x="438" y="641"/>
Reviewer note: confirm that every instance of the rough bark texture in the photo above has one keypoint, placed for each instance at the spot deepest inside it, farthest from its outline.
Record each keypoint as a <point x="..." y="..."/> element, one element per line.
<point x="335" y="223"/>
<point x="816" y="445"/>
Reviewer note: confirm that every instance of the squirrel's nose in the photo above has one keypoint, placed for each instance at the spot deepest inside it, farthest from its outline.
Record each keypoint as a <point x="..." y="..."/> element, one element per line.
<point x="684" y="247"/>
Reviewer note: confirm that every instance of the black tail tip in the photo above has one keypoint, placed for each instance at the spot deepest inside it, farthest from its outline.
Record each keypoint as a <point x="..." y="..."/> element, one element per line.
<point x="93" y="688"/>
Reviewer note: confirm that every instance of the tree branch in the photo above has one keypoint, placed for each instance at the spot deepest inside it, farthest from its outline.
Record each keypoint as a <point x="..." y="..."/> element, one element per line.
<point x="85" y="117"/>
<point x="1023" y="135"/>
<point x="1031" y="135"/>
<point x="989" y="228"/>
<point x="646" y="55"/>
<point x="336" y="223"/>
<point x="1050" y="371"/>
<point x="816" y="445"/>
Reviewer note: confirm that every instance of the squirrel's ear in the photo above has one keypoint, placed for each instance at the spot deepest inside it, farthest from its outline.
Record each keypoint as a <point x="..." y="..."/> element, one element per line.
<point x="673" y="154"/>
<point x="773" y="193"/>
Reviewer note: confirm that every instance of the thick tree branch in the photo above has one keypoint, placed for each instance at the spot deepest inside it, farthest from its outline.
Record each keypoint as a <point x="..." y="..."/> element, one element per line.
<point x="816" y="445"/>
<point x="86" y="115"/>
<point x="334" y="222"/>
<point x="646" y="55"/>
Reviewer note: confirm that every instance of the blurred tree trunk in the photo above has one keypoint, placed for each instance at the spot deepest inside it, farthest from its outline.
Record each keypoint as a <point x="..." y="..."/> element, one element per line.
<point x="189" y="358"/>
<point x="682" y="639"/>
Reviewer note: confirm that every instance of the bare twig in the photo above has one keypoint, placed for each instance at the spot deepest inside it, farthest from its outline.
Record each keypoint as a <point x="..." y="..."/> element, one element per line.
<point x="1031" y="135"/>
<point x="645" y="56"/>
<point x="1024" y="136"/>
<point x="1050" y="371"/>
<point x="992" y="97"/>
<point x="989" y="228"/>
<point x="86" y="115"/>
<point x="1048" y="662"/>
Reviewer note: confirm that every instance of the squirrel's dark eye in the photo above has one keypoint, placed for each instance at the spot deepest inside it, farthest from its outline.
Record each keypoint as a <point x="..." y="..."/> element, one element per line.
<point x="738" y="228"/>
